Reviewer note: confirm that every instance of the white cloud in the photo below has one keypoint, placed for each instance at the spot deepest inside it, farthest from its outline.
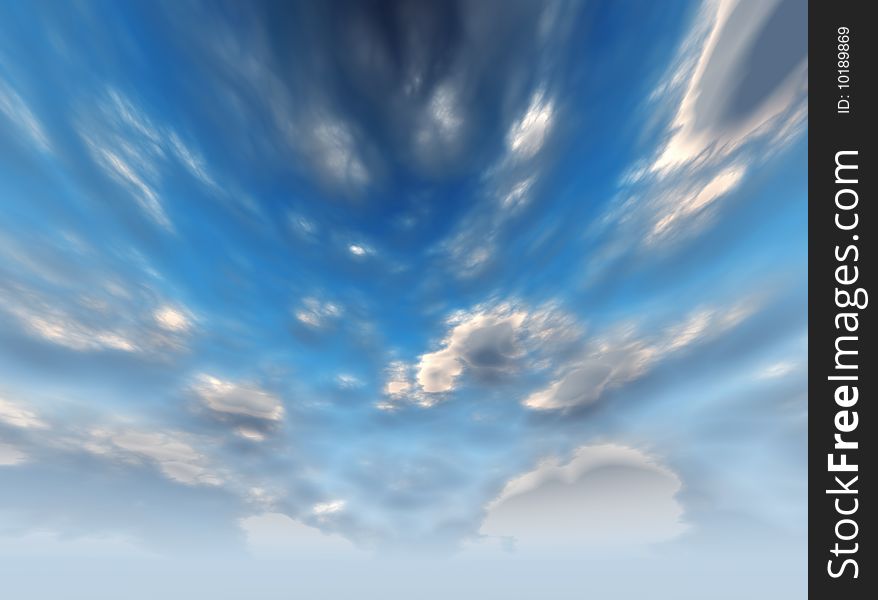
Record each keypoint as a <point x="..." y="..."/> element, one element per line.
<point x="606" y="498"/>
<point x="317" y="313"/>
<point x="509" y="186"/>
<point x="241" y="399"/>
<point x="18" y="416"/>
<point x="134" y="151"/>
<point x="56" y="325"/>
<point x="304" y="227"/>
<point x="123" y="172"/>
<point x="19" y="114"/>
<point x="527" y="135"/>
<point x="624" y="355"/>
<point x="488" y="341"/>
<point x="776" y="370"/>
<point x="11" y="456"/>
<point x="399" y="387"/>
<point x="672" y="209"/>
<point x="172" y="319"/>
<point x="172" y="452"/>
<point x="193" y="161"/>
<point x="734" y="105"/>
<point x="440" y="127"/>
<point x="700" y="133"/>
<point x="111" y="319"/>
<point x="348" y="382"/>
<point x="323" y="509"/>
<point x="275" y="535"/>
<point x="334" y="149"/>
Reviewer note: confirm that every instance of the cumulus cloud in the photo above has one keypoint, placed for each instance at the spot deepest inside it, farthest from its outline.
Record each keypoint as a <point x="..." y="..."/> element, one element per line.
<point x="488" y="342"/>
<point x="625" y="354"/>
<point x="254" y="410"/>
<point x="606" y="498"/>
<point x="481" y="340"/>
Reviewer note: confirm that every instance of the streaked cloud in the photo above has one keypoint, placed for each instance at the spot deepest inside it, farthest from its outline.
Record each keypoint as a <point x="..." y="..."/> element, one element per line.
<point x="171" y="452"/>
<point x="527" y="134"/>
<point x="20" y="116"/>
<point x="738" y="97"/>
<point x="19" y="416"/>
<point x="624" y="354"/>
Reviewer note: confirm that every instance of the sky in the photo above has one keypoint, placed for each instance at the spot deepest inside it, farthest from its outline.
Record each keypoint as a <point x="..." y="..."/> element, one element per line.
<point x="461" y="283"/>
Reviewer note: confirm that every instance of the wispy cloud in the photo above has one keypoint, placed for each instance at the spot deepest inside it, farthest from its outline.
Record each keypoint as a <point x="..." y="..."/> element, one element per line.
<point x="624" y="354"/>
<point x="724" y="124"/>
<point x="20" y="116"/>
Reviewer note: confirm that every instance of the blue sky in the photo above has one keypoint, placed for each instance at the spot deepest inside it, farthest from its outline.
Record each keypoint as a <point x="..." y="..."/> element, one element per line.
<point x="351" y="280"/>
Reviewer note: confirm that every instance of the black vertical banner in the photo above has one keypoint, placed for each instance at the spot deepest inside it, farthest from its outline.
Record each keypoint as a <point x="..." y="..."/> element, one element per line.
<point x="842" y="223"/>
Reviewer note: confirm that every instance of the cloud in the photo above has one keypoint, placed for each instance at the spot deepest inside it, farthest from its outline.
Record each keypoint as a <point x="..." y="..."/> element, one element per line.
<point x="778" y="370"/>
<point x="193" y="161"/>
<point x="324" y="509"/>
<point x="743" y="82"/>
<point x="172" y="452"/>
<point x="348" y="382"/>
<point x="527" y="135"/>
<point x="317" y="313"/>
<point x="135" y="151"/>
<point x="17" y="416"/>
<point x="738" y="95"/>
<point x="623" y="355"/>
<point x="236" y="399"/>
<point x="489" y="342"/>
<point x="508" y="186"/>
<point x="334" y="150"/>
<point x="607" y="498"/>
<point x="481" y="340"/>
<point x="275" y="535"/>
<point x="11" y="456"/>
<point x="360" y="250"/>
<point x="172" y="319"/>
<point x="111" y="318"/>
<point x="16" y="110"/>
